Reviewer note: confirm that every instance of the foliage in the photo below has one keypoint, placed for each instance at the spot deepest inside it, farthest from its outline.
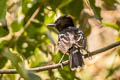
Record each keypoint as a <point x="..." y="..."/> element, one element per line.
<point x="26" y="41"/>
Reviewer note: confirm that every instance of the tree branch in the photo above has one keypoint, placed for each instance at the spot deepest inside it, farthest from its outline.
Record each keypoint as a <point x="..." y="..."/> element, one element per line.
<point x="54" y="66"/>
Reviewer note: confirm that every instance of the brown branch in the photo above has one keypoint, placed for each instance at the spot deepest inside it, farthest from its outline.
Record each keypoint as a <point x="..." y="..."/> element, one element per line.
<point x="54" y="66"/>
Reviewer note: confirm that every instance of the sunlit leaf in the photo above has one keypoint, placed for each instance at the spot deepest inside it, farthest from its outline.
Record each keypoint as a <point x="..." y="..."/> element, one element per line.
<point x="26" y="5"/>
<point x="3" y="8"/>
<point x="49" y="19"/>
<point x="114" y="26"/>
<point x="10" y="77"/>
<point x="58" y="56"/>
<point x="66" y="2"/>
<point x="118" y="37"/>
<point x="57" y="3"/>
<point x="118" y="52"/>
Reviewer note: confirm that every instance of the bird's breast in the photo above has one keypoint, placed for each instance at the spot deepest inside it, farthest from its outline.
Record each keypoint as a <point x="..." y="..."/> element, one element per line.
<point x="70" y="37"/>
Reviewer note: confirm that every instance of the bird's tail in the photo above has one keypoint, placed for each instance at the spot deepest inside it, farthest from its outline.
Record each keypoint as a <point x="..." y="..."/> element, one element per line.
<point x="76" y="59"/>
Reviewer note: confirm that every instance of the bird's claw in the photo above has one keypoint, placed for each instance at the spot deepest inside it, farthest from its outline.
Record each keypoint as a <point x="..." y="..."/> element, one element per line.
<point x="89" y="57"/>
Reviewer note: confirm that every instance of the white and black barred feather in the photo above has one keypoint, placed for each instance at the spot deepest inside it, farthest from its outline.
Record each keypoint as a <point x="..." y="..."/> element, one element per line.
<point x="71" y="40"/>
<point x="70" y="36"/>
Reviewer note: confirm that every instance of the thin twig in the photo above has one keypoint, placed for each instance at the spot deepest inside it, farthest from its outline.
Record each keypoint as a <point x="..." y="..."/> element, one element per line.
<point x="103" y="49"/>
<point x="26" y="26"/>
<point x="32" y="17"/>
<point x="54" y="66"/>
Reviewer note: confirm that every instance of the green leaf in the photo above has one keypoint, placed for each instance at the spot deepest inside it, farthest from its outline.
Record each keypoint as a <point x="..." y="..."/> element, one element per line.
<point x="33" y="76"/>
<point x="26" y="5"/>
<point x="25" y="47"/>
<point x="38" y="59"/>
<point x="3" y="61"/>
<point x="73" y="8"/>
<point x="58" y="56"/>
<point x="58" y="3"/>
<point x="114" y="26"/>
<point x="49" y="19"/>
<point x="64" y="3"/>
<point x="19" y="65"/>
<point x="70" y="74"/>
<point x="16" y="26"/>
<point x="32" y="39"/>
<point x="13" y="57"/>
<point x="3" y="44"/>
<point x="3" y="31"/>
<point x="3" y="8"/>
<point x="32" y="31"/>
<point x="95" y="9"/>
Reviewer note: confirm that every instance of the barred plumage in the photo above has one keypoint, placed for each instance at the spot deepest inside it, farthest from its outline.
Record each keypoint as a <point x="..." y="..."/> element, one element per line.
<point x="70" y="36"/>
<point x="71" y="40"/>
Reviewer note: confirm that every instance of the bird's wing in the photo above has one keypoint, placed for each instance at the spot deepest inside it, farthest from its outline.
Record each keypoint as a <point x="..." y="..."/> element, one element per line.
<point x="64" y="42"/>
<point x="80" y="39"/>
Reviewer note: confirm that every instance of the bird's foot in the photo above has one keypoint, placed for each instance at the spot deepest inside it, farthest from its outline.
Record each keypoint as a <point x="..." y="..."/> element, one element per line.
<point x="89" y="57"/>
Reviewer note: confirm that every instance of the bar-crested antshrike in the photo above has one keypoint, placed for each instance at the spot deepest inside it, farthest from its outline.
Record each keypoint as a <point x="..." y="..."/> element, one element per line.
<point x="71" y="40"/>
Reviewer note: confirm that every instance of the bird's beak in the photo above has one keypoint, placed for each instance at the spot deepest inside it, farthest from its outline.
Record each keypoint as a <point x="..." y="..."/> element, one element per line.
<point x="51" y="25"/>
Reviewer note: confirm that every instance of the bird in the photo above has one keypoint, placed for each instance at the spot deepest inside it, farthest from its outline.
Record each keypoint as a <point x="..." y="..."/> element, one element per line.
<point x="71" y="40"/>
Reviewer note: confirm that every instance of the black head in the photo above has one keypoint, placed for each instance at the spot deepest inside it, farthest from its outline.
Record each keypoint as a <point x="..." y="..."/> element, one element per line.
<point x="63" y="22"/>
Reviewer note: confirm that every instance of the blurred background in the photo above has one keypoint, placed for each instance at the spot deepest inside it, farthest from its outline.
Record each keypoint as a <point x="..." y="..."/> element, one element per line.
<point x="26" y="42"/>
